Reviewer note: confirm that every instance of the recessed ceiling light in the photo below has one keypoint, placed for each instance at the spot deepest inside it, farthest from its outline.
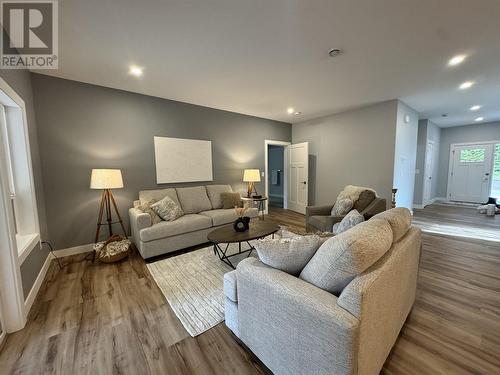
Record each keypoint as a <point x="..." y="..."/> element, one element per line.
<point x="135" y="70"/>
<point x="297" y="113"/>
<point x="475" y="108"/>
<point x="290" y="110"/>
<point x="466" y="85"/>
<point x="479" y="119"/>
<point x="455" y="60"/>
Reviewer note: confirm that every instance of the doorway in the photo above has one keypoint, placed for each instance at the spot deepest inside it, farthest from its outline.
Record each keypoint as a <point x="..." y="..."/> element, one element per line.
<point x="275" y="174"/>
<point x="428" y="171"/>
<point x="275" y="181"/>
<point x="470" y="174"/>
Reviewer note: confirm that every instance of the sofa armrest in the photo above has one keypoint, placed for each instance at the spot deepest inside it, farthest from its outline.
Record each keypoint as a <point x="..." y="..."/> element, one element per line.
<point x="291" y="325"/>
<point x="377" y="206"/>
<point x="138" y="220"/>
<point x="319" y="210"/>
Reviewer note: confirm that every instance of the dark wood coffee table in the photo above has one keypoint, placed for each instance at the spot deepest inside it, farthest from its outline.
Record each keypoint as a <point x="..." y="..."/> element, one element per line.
<point x="227" y="235"/>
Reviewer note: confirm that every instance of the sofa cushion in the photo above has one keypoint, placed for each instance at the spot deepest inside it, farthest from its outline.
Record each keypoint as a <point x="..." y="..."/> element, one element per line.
<point x="349" y="221"/>
<point x="342" y="206"/>
<point x="231" y="200"/>
<point x="322" y="223"/>
<point x="289" y="254"/>
<point x="214" y="192"/>
<point x="226" y="216"/>
<point x="167" y="209"/>
<point x="157" y="194"/>
<point x="185" y="224"/>
<point x="399" y="219"/>
<point x="230" y="286"/>
<point x="365" y="198"/>
<point x="194" y="199"/>
<point x="343" y="257"/>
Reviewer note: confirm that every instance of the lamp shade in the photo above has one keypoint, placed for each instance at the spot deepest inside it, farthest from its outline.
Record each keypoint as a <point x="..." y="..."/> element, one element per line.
<point x="251" y="175"/>
<point x="106" y="179"/>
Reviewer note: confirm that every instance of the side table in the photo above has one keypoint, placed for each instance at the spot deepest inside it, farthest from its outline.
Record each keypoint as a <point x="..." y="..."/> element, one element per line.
<point x="261" y="206"/>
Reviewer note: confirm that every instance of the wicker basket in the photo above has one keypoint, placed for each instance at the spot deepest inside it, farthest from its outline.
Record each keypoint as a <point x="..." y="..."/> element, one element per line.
<point x="113" y="249"/>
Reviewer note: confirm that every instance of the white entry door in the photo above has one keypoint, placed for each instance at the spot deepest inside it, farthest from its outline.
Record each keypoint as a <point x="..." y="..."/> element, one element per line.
<point x="298" y="176"/>
<point x="470" y="172"/>
<point x="429" y="166"/>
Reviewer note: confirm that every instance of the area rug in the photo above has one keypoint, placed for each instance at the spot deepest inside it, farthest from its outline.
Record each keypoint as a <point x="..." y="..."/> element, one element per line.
<point x="193" y="285"/>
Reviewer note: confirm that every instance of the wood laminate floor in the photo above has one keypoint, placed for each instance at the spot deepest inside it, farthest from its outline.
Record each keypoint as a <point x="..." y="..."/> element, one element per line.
<point x="460" y="221"/>
<point x="113" y="319"/>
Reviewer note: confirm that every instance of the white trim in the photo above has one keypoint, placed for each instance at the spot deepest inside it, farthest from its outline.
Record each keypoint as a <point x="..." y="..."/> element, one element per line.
<point x="12" y="296"/>
<point x="426" y="180"/>
<point x="474" y="143"/>
<point x="36" y="285"/>
<point x="73" y="250"/>
<point x="29" y="245"/>
<point x="268" y="142"/>
<point x="431" y="201"/>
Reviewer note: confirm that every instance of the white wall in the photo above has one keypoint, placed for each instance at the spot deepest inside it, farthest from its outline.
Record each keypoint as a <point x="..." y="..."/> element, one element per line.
<point x="354" y="147"/>
<point x="405" y="154"/>
<point x="427" y="131"/>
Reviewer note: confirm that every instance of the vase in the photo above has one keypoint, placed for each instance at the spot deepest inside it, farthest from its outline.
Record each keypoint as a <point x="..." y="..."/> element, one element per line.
<point x="241" y="224"/>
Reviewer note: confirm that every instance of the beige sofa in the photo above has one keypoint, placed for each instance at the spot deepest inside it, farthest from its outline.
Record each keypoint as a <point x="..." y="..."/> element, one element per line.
<point x="295" y="327"/>
<point x="203" y="211"/>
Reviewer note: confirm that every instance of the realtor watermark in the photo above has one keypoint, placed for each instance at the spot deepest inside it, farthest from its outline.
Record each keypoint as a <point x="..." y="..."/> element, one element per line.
<point x="29" y="34"/>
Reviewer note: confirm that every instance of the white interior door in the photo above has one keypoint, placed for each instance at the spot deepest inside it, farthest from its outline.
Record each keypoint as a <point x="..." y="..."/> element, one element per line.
<point x="297" y="167"/>
<point x="469" y="178"/>
<point x="428" y="168"/>
<point x="3" y="332"/>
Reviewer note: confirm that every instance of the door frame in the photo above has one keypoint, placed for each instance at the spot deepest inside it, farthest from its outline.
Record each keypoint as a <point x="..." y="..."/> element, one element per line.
<point x="271" y="142"/>
<point x="426" y="180"/>
<point x="11" y="290"/>
<point x="450" y="161"/>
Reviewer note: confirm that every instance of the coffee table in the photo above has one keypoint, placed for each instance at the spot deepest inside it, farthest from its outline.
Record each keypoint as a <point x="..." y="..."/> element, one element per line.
<point x="227" y="235"/>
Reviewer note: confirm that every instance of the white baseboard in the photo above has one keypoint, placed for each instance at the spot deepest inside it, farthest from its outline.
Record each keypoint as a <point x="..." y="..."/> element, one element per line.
<point x="421" y="206"/>
<point x="36" y="285"/>
<point x="73" y="250"/>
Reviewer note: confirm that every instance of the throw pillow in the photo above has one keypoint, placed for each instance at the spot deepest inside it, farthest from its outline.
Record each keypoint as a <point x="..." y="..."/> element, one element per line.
<point x="288" y="254"/>
<point x="350" y="220"/>
<point x="365" y="198"/>
<point x="146" y="208"/>
<point x="342" y="207"/>
<point x="231" y="200"/>
<point x="167" y="209"/>
<point x="343" y="257"/>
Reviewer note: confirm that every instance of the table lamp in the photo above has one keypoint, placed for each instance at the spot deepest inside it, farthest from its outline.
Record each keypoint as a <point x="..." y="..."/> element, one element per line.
<point x="251" y="176"/>
<point x="107" y="179"/>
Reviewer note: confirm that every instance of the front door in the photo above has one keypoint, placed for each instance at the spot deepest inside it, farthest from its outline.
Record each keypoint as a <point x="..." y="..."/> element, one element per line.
<point x="470" y="173"/>
<point x="297" y="158"/>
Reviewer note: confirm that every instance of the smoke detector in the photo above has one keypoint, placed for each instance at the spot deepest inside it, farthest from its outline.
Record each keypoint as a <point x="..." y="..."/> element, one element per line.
<point x="335" y="52"/>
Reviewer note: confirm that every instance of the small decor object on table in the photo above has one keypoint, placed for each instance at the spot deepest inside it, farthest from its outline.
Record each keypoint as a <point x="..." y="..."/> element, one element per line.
<point x="260" y="204"/>
<point x="393" y="198"/>
<point x="112" y="250"/>
<point x="242" y="223"/>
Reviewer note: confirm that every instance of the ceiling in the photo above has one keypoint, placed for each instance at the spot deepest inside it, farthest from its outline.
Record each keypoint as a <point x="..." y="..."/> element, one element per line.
<point x="260" y="57"/>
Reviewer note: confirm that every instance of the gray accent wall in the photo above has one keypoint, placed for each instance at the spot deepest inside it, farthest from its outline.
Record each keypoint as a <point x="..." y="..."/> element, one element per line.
<point x="20" y="81"/>
<point x="462" y="134"/>
<point x="83" y="126"/>
<point x="354" y="147"/>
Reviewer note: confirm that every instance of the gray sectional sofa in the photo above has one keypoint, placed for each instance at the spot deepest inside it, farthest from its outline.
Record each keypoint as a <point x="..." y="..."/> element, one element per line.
<point x="202" y="206"/>
<point x="295" y="327"/>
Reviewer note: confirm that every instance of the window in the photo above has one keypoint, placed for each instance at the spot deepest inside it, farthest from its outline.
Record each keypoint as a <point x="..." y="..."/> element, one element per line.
<point x="476" y="155"/>
<point x="14" y="154"/>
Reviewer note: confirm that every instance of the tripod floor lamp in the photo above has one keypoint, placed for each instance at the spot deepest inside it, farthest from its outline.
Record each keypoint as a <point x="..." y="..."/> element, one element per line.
<point x="107" y="179"/>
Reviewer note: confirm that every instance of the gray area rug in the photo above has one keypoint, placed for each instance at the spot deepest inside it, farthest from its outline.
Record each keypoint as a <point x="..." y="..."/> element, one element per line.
<point x="192" y="283"/>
